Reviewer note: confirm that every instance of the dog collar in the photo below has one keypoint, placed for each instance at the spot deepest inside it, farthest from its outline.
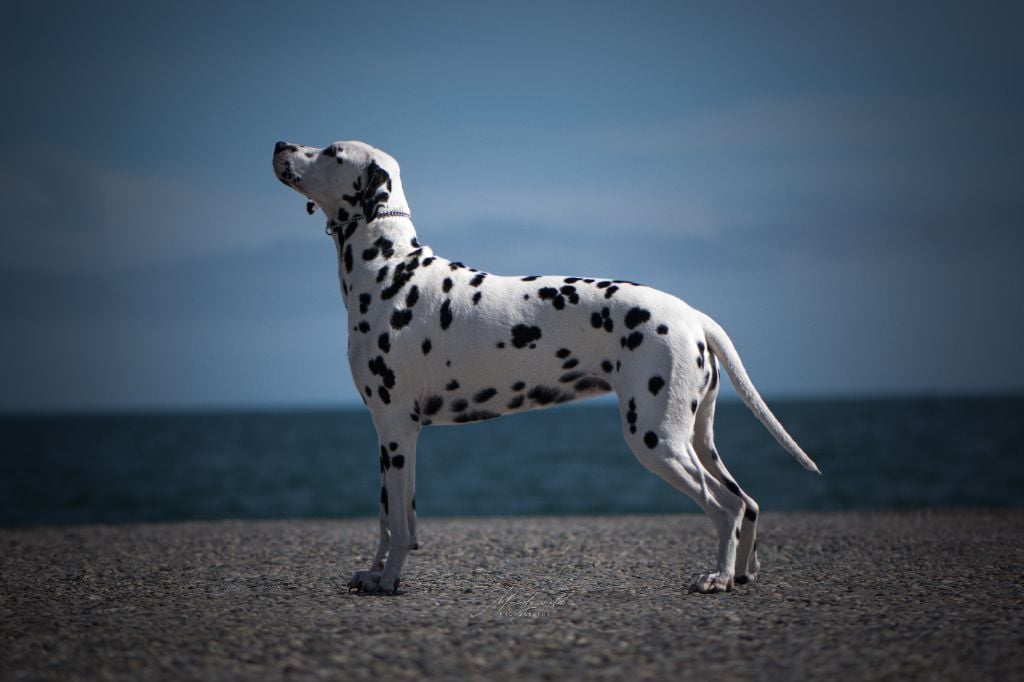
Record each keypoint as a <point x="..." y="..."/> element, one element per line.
<point x="333" y="225"/>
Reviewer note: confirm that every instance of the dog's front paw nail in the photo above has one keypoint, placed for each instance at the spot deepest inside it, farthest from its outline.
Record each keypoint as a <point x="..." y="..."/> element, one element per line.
<point x="711" y="583"/>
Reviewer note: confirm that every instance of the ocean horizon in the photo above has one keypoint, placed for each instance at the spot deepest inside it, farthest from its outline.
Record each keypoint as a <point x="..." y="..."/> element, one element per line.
<point x="322" y="462"/>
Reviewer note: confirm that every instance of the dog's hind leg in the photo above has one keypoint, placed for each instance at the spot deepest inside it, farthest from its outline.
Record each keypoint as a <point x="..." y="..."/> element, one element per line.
<point x="398" y="462"/>
<point x="666" y="449"/>
<point x="747" y="565"/>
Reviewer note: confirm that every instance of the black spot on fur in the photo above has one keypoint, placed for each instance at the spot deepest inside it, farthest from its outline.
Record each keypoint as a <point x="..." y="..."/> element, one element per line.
<point x="478" y="279"/>
<point x="651" y="439"/>
<point x="428" y="260"/>
<point x="732" y="487"/>
<point x="500" y="344"/>
<point x="516" y="402"/>
<point x="371" y="253"/>
<point x="475" y="416"/>
<point x="603" y="284"/>
<point x="446" y="313"/>
<point x="571" y="280"/>
<point x="750" y="514"/>
<point x="563" y="353"/>
<point x="551" y="294"/>
<point x="633" y="341"/>
<point x="700" y="361"/>
<point x="530" y="278"/>
<point x="607" y="366"/>
<point x="459" y="405"/>
<point x="364" y="302"/>
<point x="446" y="286"/>
<point x="385" y="459"/>
<point x="570" y="294"/>
<point x="400" y="318"/>
<point x="433" y="405"/>
<point x="700" y="347"/>
<point x="364" y="327"/>
<point x="476" y="297"/>
<point x="348" y="258"/>
<point x="662" y="329"/>
<point x="485" y="395"/>
<point x="369" y="393"/>
<point x="379" y="368"/>
<point x="426" y="346"/>
<point x="610" y="291"/>
<point x="655" y="384"/>
<point x="453" y="385"/>
<point x="384" y="342"/>
<point x="518" y="386"/>
<point x="382" y="273"/>
<point x="592" y="384"/>
<point x="714" y="376"/>
<point x="398" y="281"/>
<point x="636" y="316"/>
<point x="386" y="246"/>
<point x="544" y="395"/>
<point x="384" y="499"/>
<point x="412" y="297"/>
<point x="693" y="406"/>
<point x="570" y="363"/>
<point x="570" y="377"/>
<point x="596" y="321"/>
<point x="392" y="446"/>
<point x="384" y="394"/>
<point x="523" y="335"/>
<point x="398" y="461"/>
<point x="631" y="416"/>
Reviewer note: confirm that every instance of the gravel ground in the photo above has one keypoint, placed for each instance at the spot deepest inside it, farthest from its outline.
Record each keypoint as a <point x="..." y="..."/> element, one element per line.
<point x="934" y="595"/>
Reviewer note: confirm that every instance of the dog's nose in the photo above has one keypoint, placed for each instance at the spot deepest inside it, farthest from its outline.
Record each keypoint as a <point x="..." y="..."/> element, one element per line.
<point x="280" y="147"/>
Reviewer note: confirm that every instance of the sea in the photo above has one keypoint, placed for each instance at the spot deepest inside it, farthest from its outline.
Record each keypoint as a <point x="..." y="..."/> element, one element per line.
<point x="879" y="453"/>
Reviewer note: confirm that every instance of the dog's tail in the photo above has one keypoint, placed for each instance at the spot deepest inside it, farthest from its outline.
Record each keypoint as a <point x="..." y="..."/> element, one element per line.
<point x="719" y="342"/>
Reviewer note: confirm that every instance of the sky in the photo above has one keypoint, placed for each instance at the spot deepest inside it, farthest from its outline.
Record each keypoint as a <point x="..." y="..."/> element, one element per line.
<point x="840" y="185"/>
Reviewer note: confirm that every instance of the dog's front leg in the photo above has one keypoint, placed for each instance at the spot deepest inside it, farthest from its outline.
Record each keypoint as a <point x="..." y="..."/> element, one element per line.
<point x="397" y="515"/>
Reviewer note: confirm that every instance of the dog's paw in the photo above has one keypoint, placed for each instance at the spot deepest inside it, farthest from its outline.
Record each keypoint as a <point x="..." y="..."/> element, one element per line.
<point x="372" y="581"/>
<point x="711" y="583"/>
<point x="746" y="579"/>
<point x="365" y="581"/>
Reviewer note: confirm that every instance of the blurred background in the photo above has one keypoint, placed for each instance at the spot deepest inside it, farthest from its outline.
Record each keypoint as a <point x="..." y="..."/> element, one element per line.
<point x="839" y="185"/>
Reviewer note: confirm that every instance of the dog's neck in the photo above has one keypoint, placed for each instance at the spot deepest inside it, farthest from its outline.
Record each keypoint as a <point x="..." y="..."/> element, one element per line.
<point x="366" y="248"/>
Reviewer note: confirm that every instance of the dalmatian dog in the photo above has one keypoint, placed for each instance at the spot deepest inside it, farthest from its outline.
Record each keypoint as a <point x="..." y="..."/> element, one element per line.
<point x="435" y="342"/>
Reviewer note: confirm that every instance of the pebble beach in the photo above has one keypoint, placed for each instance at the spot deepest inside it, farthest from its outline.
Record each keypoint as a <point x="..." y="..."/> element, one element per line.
<point x="852" y="595"/>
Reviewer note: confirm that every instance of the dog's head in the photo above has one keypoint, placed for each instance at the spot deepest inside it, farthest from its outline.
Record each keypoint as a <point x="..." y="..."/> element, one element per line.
<point x="345" y="179"/>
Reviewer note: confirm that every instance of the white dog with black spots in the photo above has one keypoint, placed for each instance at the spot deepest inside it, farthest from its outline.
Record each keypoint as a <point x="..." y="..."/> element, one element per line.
<point x="434" y="342"/>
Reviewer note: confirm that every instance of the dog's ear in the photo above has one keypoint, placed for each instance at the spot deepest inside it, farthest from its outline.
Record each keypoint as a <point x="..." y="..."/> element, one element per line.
<point x="376" y="192"/>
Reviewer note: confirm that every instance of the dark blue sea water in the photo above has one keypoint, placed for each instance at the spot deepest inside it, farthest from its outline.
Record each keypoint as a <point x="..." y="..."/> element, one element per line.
<point x="884" y="453"/>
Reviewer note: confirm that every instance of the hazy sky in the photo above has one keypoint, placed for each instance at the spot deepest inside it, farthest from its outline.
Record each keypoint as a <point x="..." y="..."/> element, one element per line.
<point x="840" y="185"/>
